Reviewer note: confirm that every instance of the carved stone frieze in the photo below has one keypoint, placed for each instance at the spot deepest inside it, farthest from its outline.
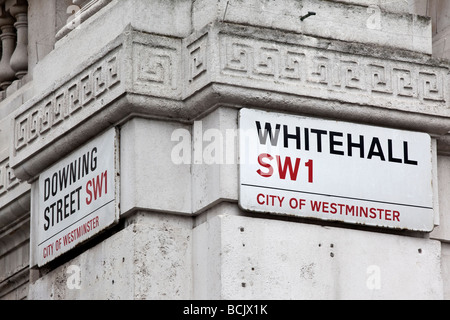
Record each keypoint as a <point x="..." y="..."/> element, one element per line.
<point x="346" y="77"/>
<point x="156" y="66"/>
<point x="172" y="77"/>
<point x="83" y="92"/>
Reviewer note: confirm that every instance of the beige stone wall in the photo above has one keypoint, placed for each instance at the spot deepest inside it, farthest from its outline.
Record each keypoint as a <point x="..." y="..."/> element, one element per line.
<point x="150" y="67"/>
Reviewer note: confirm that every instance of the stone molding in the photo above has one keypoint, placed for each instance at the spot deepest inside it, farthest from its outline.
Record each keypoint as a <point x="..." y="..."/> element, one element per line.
<point x="14" y="196"/>
<point x="348" y="77"/>
<point x="167" y="77"/>
<point x="8" y="180"/>
<point x="84" y="91"/>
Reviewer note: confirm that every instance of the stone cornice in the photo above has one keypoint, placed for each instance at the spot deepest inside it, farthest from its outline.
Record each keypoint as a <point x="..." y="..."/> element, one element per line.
<point x="225" y="64"/>
<point x="15" y="209"/>
<point x="14" y="196"/>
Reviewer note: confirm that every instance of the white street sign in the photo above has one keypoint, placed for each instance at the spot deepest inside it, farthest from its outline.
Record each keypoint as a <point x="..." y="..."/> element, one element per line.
<point x="333" y="170"/>
<point x="77" y="198"/>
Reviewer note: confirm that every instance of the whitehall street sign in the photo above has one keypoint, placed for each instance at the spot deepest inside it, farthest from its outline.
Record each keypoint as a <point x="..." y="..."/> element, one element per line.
<point x="332" y="170"/>
<point x="77" y="198"/>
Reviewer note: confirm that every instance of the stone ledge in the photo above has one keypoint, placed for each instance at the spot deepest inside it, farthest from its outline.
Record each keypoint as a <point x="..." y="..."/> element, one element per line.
<point x="14" y="248"/>
<point x="383" y="23"/>
<point x="15" y="287"/>
<point x="305" y="66"/>
<point x="14" y="196"/>
<point x="173" y="78"/>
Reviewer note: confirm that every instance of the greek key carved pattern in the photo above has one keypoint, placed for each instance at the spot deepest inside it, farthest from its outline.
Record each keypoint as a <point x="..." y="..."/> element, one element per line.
<point x="7" y="178"/>
<point x="197" y="58"/>
<point x="238" y="57"/>
<point x="155" y="66"/>
<point x="81" y="92"/>
<point x="292" y="66"/>
<point x="339" y="72"/>
<point x="380" y="79"/>
<point x="432" y="86"/>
